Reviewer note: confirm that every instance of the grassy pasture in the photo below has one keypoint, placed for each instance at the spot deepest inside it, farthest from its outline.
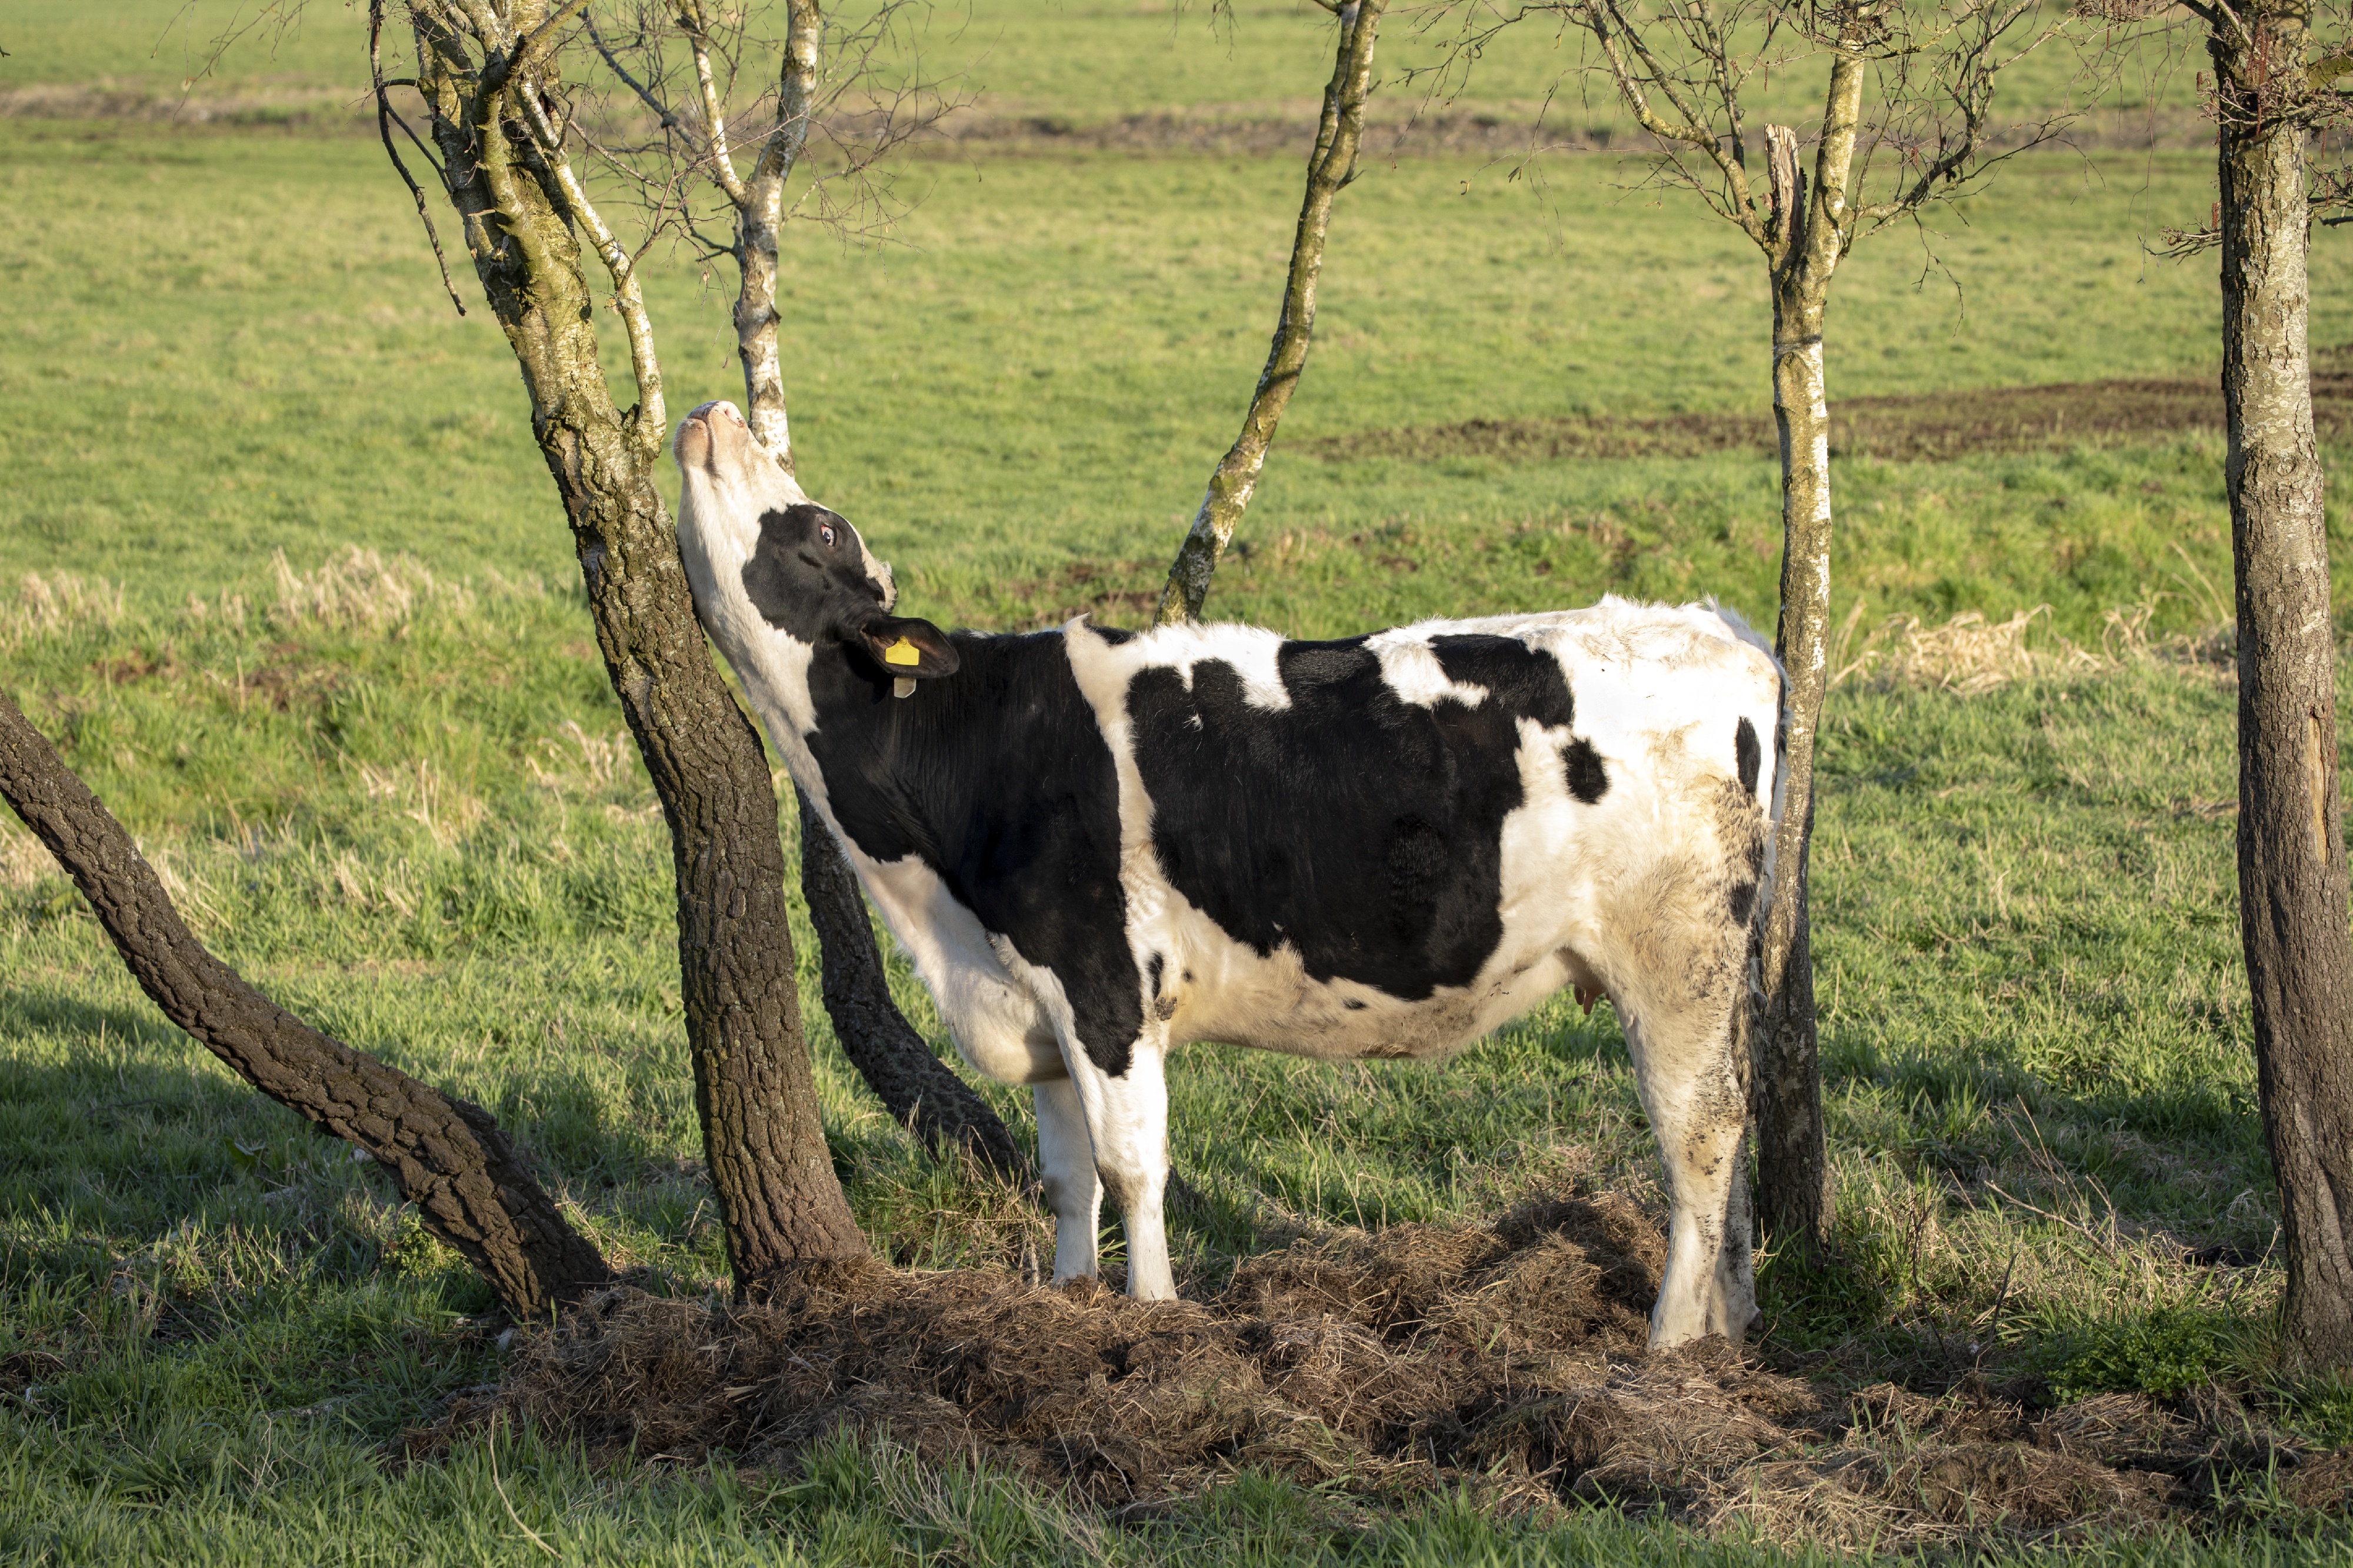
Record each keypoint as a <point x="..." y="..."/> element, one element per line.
<point x="394" y="792"/>
<point x="1073" y="63"/>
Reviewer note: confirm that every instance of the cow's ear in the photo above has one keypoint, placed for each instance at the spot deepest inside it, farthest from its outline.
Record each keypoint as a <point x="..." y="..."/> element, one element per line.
<point x="908" y="649"/>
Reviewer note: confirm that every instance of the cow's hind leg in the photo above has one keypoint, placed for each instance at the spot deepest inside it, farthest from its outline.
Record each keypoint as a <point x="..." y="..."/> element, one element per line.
<point x="1066" y="1159"/>
<point x="1685" y="1071"/>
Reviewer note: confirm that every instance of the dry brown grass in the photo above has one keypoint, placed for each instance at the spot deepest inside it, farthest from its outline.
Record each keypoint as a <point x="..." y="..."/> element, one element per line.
<point x="1507" y="1359"/>
<point x="1967" y="654"/>
<point x="1970" y="654"/>
<point x="60" y="602"/>
<point x="359" y="590"/>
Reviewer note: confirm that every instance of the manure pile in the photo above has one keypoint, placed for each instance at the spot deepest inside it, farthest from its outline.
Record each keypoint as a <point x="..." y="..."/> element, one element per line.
<point x="1508" y="1359"/>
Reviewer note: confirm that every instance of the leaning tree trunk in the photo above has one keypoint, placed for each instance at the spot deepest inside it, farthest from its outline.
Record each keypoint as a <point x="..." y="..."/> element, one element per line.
<point x="1793" y="1199"/>
<point x="1332" y="165"/>
<point x="763" y="1136"/>
<point x="2292" y="868"/>
<point x="915" y="1086"/>
<point x="470" y="1186"/>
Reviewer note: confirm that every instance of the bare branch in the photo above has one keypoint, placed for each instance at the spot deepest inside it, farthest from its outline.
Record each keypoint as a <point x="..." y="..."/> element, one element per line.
<point x="662" y="111"/>
<point x="759" y="214"/>
<point x="714" y="119"/>
<point x="1635" y="80"/>
<point x="384" y="118"/>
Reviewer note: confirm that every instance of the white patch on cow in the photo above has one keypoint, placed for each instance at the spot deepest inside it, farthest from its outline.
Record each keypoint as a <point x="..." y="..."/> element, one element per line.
<point x="1410" y="667"/>
<point x="1252" y="651"/>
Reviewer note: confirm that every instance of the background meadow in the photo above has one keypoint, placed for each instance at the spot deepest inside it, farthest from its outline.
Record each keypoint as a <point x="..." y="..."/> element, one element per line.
<point x="282" y="574"/>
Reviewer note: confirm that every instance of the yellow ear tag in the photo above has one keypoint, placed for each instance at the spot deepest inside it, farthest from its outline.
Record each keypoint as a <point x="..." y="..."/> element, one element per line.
<point x="902" y="652"/>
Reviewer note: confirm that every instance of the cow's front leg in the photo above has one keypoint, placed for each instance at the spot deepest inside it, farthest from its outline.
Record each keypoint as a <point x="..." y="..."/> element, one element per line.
<point x="1127" y="1117"/>
<point x="1066" y="1159"/>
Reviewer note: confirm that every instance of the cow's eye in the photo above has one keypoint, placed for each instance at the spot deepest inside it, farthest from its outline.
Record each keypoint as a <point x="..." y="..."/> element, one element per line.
<point x="824" y="532"/>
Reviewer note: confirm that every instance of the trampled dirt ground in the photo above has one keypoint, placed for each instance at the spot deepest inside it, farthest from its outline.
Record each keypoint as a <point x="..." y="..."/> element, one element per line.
<point x="1507" y="1359"/>
<point x="1935" y="429"/>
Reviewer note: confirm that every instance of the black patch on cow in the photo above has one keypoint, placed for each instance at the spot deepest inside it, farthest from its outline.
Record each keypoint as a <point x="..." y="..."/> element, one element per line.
<point x="1361" y="829"/>
<point x="1588" y="781"/>
<point x="1747" y="755"/>
<point x="803" y="586"/>
<point x="998" y="778"/>
<point x="1740" y="901"/>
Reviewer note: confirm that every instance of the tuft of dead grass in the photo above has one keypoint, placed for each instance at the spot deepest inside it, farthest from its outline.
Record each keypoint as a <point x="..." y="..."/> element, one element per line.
<point x="1508" y="1359"/>
<point x="359" y="590"/>
<point x="1970" y="654"/>
<point x="1967" y="654"/>
<point x="58" y="603"/>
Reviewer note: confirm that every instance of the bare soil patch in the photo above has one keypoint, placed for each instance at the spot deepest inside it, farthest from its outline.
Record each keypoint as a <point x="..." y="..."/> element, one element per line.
<point x="1931" y="428"/>
<point x="1507" y="1359"/>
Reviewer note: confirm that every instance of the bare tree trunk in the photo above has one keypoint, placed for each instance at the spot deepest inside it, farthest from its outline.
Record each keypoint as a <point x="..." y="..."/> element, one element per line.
<point x="448" y="1156"/>
<point x="1332" y="165"/>
<point x="2292" y="895"/>
<point x="504" y="169"/>
<point x="1792" y="1165"/>
<point x="759" y="209"/>
<point x="1813" y="231"/>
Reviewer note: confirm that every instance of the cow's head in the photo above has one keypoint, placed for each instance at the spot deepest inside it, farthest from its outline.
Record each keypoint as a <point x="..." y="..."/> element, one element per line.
<point x="804" y="569"/>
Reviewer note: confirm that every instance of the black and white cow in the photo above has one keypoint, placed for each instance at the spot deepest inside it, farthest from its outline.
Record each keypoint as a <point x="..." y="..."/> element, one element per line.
<point x="1097" y="845"/>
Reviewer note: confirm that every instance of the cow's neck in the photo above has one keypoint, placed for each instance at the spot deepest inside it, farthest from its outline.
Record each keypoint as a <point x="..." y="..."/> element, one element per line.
<point x="1008" y="740"/>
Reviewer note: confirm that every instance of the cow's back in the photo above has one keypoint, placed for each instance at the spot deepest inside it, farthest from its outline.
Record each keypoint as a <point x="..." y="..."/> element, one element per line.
<point x="1385" y="845"/>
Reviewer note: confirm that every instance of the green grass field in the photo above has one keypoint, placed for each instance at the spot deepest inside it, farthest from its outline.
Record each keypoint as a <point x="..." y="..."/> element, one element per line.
<point x="391" y="785"/>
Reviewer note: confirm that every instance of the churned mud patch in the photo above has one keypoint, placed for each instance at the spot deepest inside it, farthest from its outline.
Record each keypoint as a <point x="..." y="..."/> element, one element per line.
<point x="1930" y="428"/>
<point x="1507" y="1359"/>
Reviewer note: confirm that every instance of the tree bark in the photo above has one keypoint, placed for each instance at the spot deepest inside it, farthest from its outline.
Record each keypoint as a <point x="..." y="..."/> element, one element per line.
<point x="764" y="1138"/>
<point x="2292" y="892"/>
<point x="1811" y="232"/>
<point x="915" y="1086"/>
<point x="450" y="1160"/>
<point x="1331" y="165"/>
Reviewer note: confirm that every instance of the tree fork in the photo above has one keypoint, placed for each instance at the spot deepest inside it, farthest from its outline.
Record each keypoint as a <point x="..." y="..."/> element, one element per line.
<point x="2292" y="878"/>
<point x="447" y="1155"/>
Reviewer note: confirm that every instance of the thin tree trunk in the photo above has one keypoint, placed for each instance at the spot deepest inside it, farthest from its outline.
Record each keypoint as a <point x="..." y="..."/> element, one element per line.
<point x="1332" y="165"/>
<point x="1812" y="234"/>
<point x="2293" y="893"/>
<point x="470" y="1186"/>
<point x="1792" y="1167"/>
<point x="763" y="1135"/>
<point x="759" y="214"/>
